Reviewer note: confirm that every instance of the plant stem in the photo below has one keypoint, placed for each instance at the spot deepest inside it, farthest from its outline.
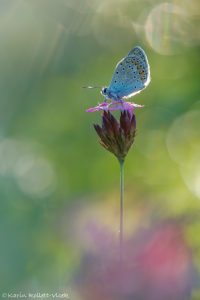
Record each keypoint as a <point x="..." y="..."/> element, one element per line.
<point x="121" y="231"/>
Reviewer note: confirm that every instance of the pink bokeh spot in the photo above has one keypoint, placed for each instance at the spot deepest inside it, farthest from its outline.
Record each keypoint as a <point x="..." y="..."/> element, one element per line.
<point x="115" y="105"/>
<point x="157" y="264"/>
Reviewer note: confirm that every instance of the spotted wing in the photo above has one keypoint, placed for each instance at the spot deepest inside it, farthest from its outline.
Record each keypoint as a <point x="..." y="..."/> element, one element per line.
<point x="131" y="75"/>
<point x="139" y="53"/>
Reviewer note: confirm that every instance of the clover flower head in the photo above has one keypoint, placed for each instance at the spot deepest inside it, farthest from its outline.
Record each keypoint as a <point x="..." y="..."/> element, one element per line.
<point x="116" y="136"/>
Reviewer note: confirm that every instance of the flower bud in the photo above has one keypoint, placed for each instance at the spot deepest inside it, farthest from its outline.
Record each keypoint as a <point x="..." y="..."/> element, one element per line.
<point x="117" y="136"/>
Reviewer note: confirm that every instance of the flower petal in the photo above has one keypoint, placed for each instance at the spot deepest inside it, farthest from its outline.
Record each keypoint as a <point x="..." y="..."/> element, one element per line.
<point x="101" y="106"/>
<point x="115" y="105"/>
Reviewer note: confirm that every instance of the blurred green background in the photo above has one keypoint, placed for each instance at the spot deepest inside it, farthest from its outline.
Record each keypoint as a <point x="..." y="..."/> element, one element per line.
<point x="54" y="176"/>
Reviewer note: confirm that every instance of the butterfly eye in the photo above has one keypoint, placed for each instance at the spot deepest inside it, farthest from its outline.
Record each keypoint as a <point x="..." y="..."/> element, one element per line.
<point x="104" y="90"/>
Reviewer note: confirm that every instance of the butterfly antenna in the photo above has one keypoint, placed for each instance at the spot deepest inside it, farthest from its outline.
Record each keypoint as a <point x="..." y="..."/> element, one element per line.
<point x="91" y="87"/>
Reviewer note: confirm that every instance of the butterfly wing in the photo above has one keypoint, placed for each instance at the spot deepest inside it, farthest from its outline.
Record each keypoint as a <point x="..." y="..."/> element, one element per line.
<point x="131" y="75"/>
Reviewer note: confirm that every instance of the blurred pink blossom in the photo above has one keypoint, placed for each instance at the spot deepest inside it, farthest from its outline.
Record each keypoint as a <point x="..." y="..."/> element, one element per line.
<point x="157" y="266"/>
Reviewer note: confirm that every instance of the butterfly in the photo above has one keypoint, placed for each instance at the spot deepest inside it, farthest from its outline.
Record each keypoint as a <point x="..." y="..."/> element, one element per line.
<point x="131" y="76"/>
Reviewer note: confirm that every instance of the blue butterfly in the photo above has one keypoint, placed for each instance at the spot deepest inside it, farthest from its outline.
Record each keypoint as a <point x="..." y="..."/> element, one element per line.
<point x="131" y="76"/>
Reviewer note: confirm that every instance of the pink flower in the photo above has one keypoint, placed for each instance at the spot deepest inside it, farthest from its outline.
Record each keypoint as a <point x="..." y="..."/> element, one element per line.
<point x="116" y="136"/>
<point x="114" y="105"/>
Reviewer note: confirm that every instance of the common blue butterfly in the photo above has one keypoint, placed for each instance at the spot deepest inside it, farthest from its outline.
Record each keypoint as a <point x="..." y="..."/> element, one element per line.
<point x="131" y="76"/>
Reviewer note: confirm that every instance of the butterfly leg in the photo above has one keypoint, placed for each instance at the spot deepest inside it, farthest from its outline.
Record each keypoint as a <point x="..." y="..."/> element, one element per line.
<point x="121" y="101"/>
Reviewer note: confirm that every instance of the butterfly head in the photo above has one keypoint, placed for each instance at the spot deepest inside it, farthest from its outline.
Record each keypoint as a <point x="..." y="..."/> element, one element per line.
<point x="104" y="91"/>
<point x="109" y="94"/>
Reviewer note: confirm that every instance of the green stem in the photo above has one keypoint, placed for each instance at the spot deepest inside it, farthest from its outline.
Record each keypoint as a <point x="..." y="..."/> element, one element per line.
<point x="121" y="231"/>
